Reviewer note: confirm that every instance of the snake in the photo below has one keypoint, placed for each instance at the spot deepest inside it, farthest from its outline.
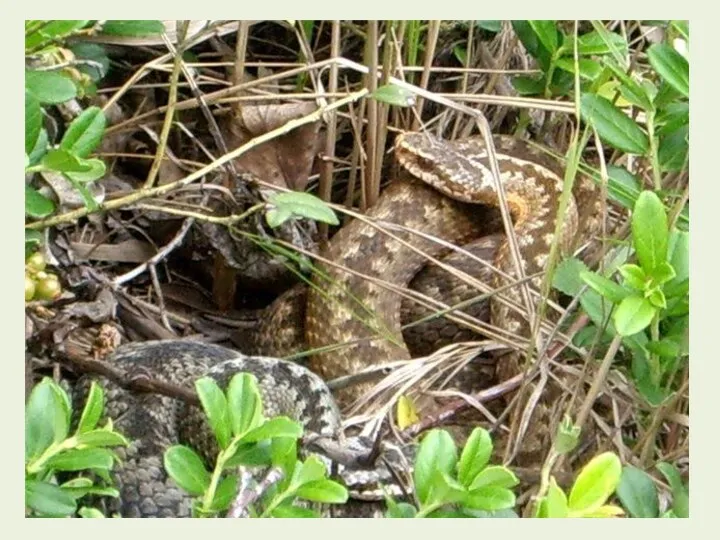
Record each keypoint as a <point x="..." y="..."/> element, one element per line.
<point x="444" y="190"/>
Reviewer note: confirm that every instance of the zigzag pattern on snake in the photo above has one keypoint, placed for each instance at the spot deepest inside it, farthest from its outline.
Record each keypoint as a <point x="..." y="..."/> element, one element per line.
<point x="455" y="170"/>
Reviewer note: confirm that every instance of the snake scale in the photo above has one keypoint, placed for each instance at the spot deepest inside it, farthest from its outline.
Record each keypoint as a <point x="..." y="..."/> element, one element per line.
<point x="444" y="190"/>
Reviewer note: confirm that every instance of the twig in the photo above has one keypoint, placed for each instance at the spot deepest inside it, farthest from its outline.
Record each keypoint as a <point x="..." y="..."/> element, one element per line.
<point x="248" y="494"/>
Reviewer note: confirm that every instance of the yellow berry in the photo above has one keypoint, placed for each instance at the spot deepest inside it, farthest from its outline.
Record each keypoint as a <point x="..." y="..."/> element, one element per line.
<point x="29" y="288"/>
<point x="36" y="261"/>
<point x="48" y="289"/>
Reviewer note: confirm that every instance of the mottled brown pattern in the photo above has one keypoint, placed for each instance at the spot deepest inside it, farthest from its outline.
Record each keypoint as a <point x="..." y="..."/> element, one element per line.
<point x="346" y="308"/>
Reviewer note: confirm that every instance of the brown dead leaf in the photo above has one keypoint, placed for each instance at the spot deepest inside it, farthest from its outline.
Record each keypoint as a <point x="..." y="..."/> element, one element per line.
<point x="285" y="161"/>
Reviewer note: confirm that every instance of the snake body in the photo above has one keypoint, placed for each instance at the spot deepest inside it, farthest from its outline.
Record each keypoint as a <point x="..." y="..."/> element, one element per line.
<point x="445" y="190"/>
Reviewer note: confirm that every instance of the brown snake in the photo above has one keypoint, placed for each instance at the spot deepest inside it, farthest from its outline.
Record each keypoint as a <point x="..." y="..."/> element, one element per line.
<point x="445" y="189"/>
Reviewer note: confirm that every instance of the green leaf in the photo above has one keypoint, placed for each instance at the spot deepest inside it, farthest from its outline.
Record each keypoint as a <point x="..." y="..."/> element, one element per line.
<point x="33" y="121"/>
<point x="496" y="476"/>
<point x="674" y="149"/>
<point x="133" y="28"/>
<point x="437" y="452"/>
<point x="91" y="52"/>
<point x="665" y="348"/>
<point x="284" y="454"/>
<point x="567" y="437"/>
<point x="595" y="483"/>
<point x="547" y="33"/>
<point x="490" y="498"/>
<point x="84" y="133"/>
<point x="444" y="489"/>
<point x="672" y="66"/>
<point x="46" y="419"/>
<point x="633" y="315"/>
<point x="86" y="512"/>
<point x="289" y="511"/>
<point x="52" y="31"/>
<point x="593" y="43"/>
<point x="304" y="205"/>
<point x="225" y="493"/>
<point x="41" y="147"/>
<point x="49" y="86"/>
<point x="613" y="125"/>
<point x="94" y="405"/>
<point x="532" y="43"/>
<point x="634" y="276"/>
<point x="637" y="493"/>
<point x="394" y="95"/>
<point x="311" y="470"/>
<point x="95" y="169"/>
<point x="62" y="161"/>
<point x="323" y="491"/>
<point x="555" y="504"/>
<point x="251" y="455"/>
<point x="623" y="186"/>
<point x="245" y="404"/>
<point x="663" y="273"/>
<point x="566" y="278"/>
<point x="604" y="286"/>
<point x="275" y="427"/>
<point x="79" y="459"/>
<point x="656" y="298"/>
<point x="490" y="26"/>
<point x="589" y="69"/>
<point x="400" y="510"/>
<point x="187" y="469"/>
<point x="101" y="437"/>
<point x="48" y="499"/>
<point x="475" y="455"/>
<point x="681" y="497"/>
<point x="650" y="231"/>
<point x="679" y="256"/>
<point x="215" y="406"/>
<point x="36" y="204"/>
<point x="529" y="86"/>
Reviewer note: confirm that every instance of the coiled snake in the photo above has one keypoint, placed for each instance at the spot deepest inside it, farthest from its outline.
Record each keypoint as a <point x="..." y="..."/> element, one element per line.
<point x="443" y="191"/>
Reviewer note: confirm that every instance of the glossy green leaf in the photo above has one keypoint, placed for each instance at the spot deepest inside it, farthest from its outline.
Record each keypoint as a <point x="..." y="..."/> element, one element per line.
<point x="475" y="455"/>
<point x="84" y="133"/>
<point x="49" y="86"/>
<point x="547" y="33"/>
<point x="101" y="437"/>
<point x="296" y="512"/>
<point x="595" y="483"/>
<point x="672" y="66"/>
<point x="623" y="186"/>
<point x="633" y="315"/>
<point x="650" y="231"/>
<point x="46" y="419"/>
<point x="52" y="31"/>
<point x="299" y="204"/>
<point x="323" y="491"/>
<point x="394" y="95"/>
<point x="132" y="28"/>
<point x="216" y="409"/>
<point x="244" y="402"/>
<point x="36" y="204"/>
<point x="400" y="510"/>
<point x="94" y="405"/>
<point x="637" y="493"/>
<point x="674" y="149"/>
<point x="593" y="43"/>
<point x="532" y="43"/>
<point x="613" y="125"/>
<point x="275" y="427"/>
<point x="437" y="452"/>
<point x="490" y="498"/>
<point x="91" y="52"/>
<point x="95" y="170"/>
<point x="634" y="276"/>
<point x="589" y="69"/>
<point x="187" y="469"/>
<point x="529" y="85"/>
<point x="225" y="493"/>
<point x="62" y="161"/>
<point x="79" y="459"/>
<point x="604" y="286"/>
<point x="311" y="470"/>
<point x="496" y="476"/>
<point x="33" y="121"/>
<point x="555" y="504"/>
<point x="90" y="513"/>
<point x="48" y="499"/>
<point x="681" y="497"/>
<point x="40" y="149"/>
